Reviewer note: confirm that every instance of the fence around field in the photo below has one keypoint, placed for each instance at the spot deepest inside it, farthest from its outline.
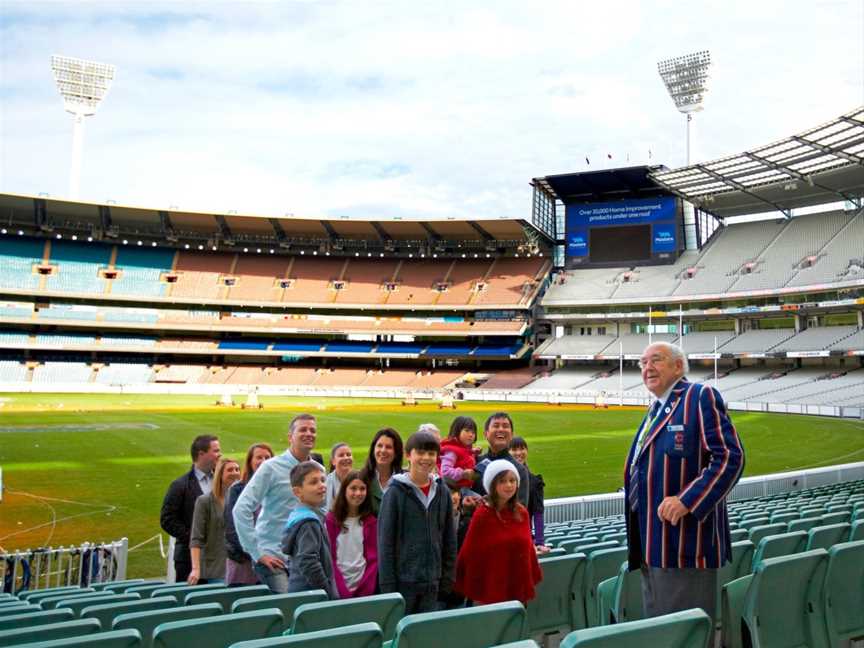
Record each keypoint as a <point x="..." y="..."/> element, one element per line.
<point x="240" y="392"/>
<point x="81" y="565"/>
<point x="611" y="504"/>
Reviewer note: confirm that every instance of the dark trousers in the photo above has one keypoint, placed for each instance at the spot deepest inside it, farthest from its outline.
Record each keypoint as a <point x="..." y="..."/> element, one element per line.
<point x="417" y="602"/>
<point x="182" y="567"/>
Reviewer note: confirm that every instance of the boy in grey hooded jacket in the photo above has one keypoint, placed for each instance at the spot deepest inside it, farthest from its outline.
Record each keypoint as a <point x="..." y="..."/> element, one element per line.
<point x="305" y="540"/>
<point x="416" y="532"/>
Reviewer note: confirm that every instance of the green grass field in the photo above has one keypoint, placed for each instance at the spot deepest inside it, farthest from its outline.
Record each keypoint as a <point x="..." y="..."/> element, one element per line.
<point x="95" y="467"/>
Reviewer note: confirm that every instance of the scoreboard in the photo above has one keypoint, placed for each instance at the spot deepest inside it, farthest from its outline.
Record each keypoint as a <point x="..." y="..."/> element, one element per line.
<point x="624" y="232"/>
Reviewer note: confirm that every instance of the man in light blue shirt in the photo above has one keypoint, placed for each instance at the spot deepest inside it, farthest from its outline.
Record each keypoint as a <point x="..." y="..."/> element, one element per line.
<point x="270" y="491"/>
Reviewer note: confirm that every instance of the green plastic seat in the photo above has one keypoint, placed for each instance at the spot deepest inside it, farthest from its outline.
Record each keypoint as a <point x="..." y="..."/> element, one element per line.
<point x="559" y="601"/>
<point x="843" y="593"/>
<point x="51" y="602"/>
<point x="857" y="531"/>
<point x="180" y="591"/>
<point x="824" y="537"/>
<point x="591" y="547"/>
<point x="475" y="627"/>
<point x="778" y="605"/>
<point x="361" y="635"/>
<point x="218" y="631"/>
<point x="774" y="546"/>
<point x="34" y="596"/>
<point x="384" y="609"/>
<point x="106" y="612"/>
<point x="146" y="591"/>
<point x="764" y="530"/>
<point x="118" y="639"/>
<point x="76" y="605"/>
<point x="286" y="603"/>
<point x="740" y="564"/>
<point x="835" y="518"/>
<point x="146" y="622"/>
<point x="804" y="524"/>
<point x="571" y="544"/>
<point x="525" y="643"/>
<point x="61" y="630"/>
<point x="226" y="597"/>
<point x="601" y="565"/>
<point x="752" y="523"/>
<point x="554" y="553"/>
<point x="738" y="535"/>
<point x="19" y="607"/>
<point x="5" y="596"/>
<point x="36" y="617"/>
<point x="620" y="597"/>
<point x="117" y="586"/>
<point x="687" y="629"/>
<point x="783" y="516"/>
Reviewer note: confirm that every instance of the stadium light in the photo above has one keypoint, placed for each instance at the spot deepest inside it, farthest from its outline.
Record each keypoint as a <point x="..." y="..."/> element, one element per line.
<point x="83" y="85"/>
<point x="686" y="80"/>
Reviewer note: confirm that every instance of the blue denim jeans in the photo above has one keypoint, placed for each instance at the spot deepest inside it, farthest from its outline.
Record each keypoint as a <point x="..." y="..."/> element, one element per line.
<point x="276" y="580"/>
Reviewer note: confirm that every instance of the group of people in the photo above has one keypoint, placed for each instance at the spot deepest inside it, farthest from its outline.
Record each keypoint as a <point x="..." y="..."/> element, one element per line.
<point x="416" y="518"/>
<point x="423" y="518"/>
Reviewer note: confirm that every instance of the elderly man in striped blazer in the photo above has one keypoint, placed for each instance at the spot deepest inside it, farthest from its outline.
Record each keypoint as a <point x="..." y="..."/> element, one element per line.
<point x="684" y="461"/>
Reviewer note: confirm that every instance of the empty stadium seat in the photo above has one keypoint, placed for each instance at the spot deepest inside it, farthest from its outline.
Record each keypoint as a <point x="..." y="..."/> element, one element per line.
<point x="559" y="600"/>
<point x="144" y="623"/>
<point x="107" y="612"/>
<point x="601" y="565"/>
<point x="475" y="627"/>
<point x="781" y="544"/>
<point x="35" y="617"/>
<point x="843" y="594"/>
<point x="362" y="635"/>
<point x="285" y="603"/>
<point x="218" y="631"/>
<point x="113" y="639"/>
<point x="384" y="609"/>
<point x="687" y="629"/>
<point x="227" y="596"/>
<point x="824" y="537"/>
<point x="59" y="630"/>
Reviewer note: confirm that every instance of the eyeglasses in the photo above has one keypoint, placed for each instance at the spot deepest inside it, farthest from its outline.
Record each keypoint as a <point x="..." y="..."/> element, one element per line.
<point x="652" y="361"/>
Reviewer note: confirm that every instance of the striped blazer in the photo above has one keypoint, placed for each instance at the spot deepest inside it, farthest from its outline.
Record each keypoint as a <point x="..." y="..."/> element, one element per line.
<point x="693" y="451"/>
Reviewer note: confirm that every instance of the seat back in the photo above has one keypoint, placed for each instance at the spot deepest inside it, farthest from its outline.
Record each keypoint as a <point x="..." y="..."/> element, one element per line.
<point x="763" y="530"/>
<point x="739" y="565"/>
<point x="475" y="627"/>
<point x="601" y="565"/>
<point x="180" y="591"/>
<point x="384" y="609"/>
<point x="34" y="596"/>
<point x="824" y="537"/>
<point x="286" y="603"/>
<point x="782" y="604"/>
<point x="857" y="532"/>
<point x="687" y="629"/>
<point x="36" y="617"/>
<point x="559" y="601"/>
<point x="219" y="631"/>
<point x="226" y="596"/>
<point x="782" y="544"/>
<point x="592" y="547"/>
<point x="146" y="622"/>
<point x="107" y="612"/>
<point x="362" y="635"/>
<point x="803" y="524"/>
<point x="18" y="607"/>
<point x="117" y="586"/>
<point x="60" y="630"/>
<point x="76" y="605"/>
<point x="627" y="598"/>
<point x="835" y="518"/>
<point x="74" y="600"/>
<point x="115" y="639"/>
<point x="843" y="594"/>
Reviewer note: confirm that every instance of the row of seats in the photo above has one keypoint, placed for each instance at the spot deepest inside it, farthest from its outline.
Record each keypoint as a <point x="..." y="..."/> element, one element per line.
<point x="96" y="268"/>
<point x="804" y="251"/>
<point x="823" y="338"/>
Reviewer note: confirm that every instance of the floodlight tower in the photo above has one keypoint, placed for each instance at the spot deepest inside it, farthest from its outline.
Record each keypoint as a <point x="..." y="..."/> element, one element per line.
<point x="83" y="85"/>
<point x="686" y="80"/>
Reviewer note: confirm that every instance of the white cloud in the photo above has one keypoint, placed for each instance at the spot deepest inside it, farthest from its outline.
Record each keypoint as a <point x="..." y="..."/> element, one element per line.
<point x="309" y="107"/>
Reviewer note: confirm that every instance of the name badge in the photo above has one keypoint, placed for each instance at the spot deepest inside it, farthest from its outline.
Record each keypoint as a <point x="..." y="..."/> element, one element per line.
<point x="675" y="428"/>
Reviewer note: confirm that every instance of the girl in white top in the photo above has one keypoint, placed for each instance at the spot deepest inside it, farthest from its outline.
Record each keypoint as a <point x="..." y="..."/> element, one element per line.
<point x="341" y="463"/>
<point x="353" y="533"/>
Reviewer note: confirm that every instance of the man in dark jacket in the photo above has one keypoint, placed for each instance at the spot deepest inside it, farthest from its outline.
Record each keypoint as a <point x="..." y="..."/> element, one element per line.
<point x="498" y="431"/>
<point x="179" y="503"/>
<point x="416" y="531"/>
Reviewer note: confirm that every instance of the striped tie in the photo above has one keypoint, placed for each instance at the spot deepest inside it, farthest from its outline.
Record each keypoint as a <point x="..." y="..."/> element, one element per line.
<point x="634" y="467"/>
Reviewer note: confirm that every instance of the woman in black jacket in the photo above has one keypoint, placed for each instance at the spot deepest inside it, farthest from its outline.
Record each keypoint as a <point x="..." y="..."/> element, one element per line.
<point x="238" y="566"/>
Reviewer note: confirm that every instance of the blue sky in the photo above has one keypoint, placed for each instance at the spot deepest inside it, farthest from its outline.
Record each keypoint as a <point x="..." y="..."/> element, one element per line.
<point x="440" y="109"/>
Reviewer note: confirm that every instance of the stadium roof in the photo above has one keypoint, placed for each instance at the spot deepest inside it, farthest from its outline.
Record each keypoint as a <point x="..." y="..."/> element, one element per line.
<point x="819" y="166"/>
<point x="47" y="214"/>
<point x="606" y="184"/>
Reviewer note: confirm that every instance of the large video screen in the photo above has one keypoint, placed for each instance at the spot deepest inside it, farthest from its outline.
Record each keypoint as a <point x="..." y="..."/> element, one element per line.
<point x="624" y="230"/>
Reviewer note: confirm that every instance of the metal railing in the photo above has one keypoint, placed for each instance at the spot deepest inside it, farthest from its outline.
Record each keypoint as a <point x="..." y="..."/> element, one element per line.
<point x="81" y="565"/>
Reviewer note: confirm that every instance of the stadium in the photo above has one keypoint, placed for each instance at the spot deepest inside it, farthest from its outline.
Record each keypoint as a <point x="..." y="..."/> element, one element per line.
<point x="125" y="330"/>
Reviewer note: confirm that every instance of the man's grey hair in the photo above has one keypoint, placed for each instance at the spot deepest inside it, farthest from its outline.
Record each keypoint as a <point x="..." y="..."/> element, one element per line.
<point x="430" y="428"/>
<point x="675" y="352"/>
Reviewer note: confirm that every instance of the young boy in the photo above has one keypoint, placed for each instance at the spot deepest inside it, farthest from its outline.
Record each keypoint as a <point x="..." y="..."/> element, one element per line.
<point x="416" y="531"/>
<point x="305" y="540"/>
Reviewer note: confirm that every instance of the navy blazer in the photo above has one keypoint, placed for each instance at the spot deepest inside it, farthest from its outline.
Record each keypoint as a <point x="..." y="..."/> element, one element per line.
<point x="177" y="509"/>
<point x="693" y="451"/>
